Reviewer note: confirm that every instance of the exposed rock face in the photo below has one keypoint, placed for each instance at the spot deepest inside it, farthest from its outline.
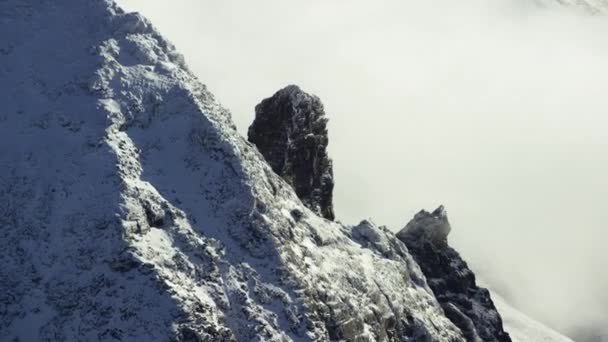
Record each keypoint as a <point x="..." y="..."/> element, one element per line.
<point x="131" y="209"/>
<point x="290" y="130"/>
<point x="467" y="305"/>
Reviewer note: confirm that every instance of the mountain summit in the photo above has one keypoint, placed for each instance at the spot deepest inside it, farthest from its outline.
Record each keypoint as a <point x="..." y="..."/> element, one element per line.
<point x="132" y="210"/>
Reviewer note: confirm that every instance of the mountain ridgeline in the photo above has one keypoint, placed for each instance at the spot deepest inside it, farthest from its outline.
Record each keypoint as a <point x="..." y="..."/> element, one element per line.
<point x="290" y="132"/>
<point x="131" y="209"/>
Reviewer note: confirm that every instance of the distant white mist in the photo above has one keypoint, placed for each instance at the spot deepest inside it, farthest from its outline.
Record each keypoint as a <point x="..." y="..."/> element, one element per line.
<point x="496" y="109"/>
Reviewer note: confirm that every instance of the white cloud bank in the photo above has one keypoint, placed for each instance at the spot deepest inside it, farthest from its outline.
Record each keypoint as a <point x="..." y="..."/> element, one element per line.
<point x="497" y="109"/>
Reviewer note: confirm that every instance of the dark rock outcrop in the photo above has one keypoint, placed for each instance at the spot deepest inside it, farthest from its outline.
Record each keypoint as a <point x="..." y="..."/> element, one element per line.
<point x="467" y="305"/>
<point x="290" y="130"/>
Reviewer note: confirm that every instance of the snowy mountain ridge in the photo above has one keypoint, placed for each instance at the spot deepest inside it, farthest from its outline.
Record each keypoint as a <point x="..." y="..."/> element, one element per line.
<point x="133" y="210"/>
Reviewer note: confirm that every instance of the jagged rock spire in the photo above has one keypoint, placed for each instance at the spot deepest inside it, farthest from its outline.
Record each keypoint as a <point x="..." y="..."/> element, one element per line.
<point x="467" y="305"/>
<point x="290" y="130"/>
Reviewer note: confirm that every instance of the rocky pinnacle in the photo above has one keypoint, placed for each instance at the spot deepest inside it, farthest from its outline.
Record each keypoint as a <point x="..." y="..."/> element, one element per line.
<point x="290" y="130"/>
<point x="467" y="305"/>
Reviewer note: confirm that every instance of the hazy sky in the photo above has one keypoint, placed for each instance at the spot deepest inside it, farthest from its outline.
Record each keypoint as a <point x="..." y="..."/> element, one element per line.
<point x="496" y="109"/>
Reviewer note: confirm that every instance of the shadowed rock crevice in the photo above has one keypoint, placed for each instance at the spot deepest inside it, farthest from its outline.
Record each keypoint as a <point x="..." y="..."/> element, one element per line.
<point x="290" y="130"/>
<point x="467" y="305"/>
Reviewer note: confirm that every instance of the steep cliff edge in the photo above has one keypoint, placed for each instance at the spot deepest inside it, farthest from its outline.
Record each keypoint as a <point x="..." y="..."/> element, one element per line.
<point x="132" y="210"/>
<point x="289" y="130"/>
<point x="467" y="305"/>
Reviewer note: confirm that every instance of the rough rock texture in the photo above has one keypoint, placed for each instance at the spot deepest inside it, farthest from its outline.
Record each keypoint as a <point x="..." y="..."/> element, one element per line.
<point x="290" y="130"/>
<point x="467" y="305"/>
<point x="132" y="210"/>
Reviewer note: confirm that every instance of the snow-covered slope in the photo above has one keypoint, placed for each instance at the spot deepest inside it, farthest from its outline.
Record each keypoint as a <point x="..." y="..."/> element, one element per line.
<point x="132" y="210"/>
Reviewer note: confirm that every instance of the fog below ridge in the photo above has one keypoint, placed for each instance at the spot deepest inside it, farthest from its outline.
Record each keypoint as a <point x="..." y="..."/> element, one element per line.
<point x="495" y="109"/>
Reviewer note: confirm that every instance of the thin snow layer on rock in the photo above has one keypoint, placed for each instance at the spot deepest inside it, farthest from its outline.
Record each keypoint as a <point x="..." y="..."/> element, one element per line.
<point x="132" y="210"/>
